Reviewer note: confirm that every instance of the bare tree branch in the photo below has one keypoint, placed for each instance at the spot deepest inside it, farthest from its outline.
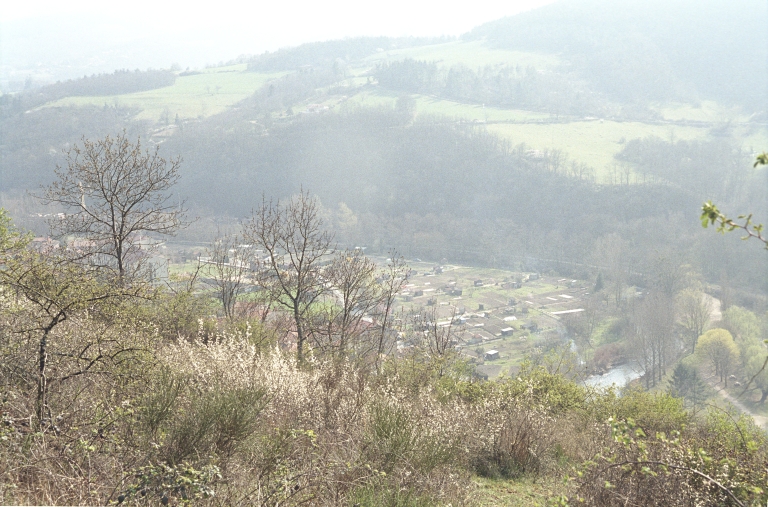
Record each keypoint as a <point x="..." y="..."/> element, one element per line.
<point x="112" y="193"/>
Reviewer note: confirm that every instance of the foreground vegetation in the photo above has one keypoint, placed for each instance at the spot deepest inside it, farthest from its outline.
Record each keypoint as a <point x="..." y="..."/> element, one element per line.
<point x="144" y="398"/>
<point x="228" y="420"/>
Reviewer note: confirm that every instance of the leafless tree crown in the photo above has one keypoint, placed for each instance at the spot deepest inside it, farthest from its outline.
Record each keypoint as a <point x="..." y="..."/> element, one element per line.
<point x="112" y="192"/>
<point x="294" y="240"/>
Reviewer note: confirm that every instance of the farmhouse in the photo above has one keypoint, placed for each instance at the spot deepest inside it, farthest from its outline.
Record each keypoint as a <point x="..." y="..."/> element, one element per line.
<point x="491" y="355"/>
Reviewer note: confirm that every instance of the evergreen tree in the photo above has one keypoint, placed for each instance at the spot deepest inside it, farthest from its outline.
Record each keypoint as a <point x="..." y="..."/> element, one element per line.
<point x="686" y="383"/>
<point x="599" y="284"/>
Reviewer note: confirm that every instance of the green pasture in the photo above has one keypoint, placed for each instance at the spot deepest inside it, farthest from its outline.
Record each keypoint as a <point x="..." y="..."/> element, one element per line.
<point x="429" y="106"/>
<point x="199" y="95"/>
<point x="706" y="111"/>
<point x="473" y="54"/>
<point x="590" y="142"/>
<point x="602" y="335"/>
<point x="595" y="143"/>
<point x="426" y="105"/>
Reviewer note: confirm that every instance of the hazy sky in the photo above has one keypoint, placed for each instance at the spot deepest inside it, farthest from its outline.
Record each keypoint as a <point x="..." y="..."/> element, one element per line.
<point x="271" y="24"/>
<point x="50" y="40"/>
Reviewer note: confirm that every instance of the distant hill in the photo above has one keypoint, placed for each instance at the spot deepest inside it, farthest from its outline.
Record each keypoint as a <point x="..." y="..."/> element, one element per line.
<point x="650" y="49"/>
<point x="328" y="53"/>
<point x="530" y="135"/>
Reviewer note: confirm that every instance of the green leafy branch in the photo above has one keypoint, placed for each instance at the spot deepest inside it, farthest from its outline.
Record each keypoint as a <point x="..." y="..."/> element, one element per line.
<point x="711" y="215"/>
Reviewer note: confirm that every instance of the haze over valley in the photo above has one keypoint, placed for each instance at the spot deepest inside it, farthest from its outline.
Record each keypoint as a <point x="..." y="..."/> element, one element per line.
<point x="367" y="223"/>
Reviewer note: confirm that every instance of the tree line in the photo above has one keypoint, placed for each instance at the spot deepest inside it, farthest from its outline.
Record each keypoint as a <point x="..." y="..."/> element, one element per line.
<point x="499" y="86"/>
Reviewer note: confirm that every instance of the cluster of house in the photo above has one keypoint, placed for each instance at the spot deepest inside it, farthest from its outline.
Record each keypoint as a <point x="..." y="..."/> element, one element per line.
<point x="144" y="254"/>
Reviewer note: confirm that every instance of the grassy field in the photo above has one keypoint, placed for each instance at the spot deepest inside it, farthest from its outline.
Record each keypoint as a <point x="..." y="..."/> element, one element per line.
<point x="514" y="493"/>
<point x="427" y="105"/>
<point x="708" y="111"/>
<point x="195" y="96"/>
<point x="591" y="142"/>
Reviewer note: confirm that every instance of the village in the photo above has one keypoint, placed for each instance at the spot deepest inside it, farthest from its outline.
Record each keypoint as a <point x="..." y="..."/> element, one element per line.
<point x="495" y="317"/>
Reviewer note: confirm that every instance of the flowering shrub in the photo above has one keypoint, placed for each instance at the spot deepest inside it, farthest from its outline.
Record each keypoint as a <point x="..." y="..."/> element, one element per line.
<point x="220" y="420"/>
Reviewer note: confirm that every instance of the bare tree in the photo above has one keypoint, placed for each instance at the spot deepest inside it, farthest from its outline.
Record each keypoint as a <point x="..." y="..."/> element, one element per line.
<point x="354" y="294"/>
<point x="228" y="264"/>
<point x="435" y="339"/>
<point x="694" y="312"/>
<point x="112" y="193"/>
<point x="294" y="241"/>
<point x="668" y="274"/>
<point x="393" y="279"/>
<point x="652" y="337"/>
<point x="612" y="253"/>
<point x="581" y="326"/>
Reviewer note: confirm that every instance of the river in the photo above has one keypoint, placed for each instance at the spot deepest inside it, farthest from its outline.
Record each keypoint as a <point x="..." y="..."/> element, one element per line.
<point x="620" y="376"/>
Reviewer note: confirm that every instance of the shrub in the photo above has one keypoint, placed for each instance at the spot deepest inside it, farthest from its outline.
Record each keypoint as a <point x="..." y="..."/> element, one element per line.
<point x="213" y="421"/>
<point x="516" y="448"/>
<point x="677" y="470"/>
<point x="170" y="484"/>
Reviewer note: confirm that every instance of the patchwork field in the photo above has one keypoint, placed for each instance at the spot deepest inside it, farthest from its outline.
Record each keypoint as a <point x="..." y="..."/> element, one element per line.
<point x="593" y="141"/>
<point x="192" y="96"/>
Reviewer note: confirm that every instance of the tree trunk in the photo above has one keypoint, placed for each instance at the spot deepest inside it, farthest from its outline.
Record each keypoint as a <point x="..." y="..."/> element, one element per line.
<point x="42" y="386"/>
<point x="299" y="334"/>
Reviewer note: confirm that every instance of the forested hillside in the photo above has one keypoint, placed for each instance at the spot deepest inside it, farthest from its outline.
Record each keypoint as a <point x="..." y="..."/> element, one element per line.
<point x="650" y="51"/>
